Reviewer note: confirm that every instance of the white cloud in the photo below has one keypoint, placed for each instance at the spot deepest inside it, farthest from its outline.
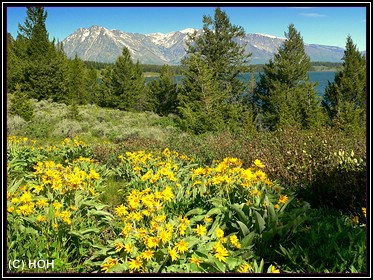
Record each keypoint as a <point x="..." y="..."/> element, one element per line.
<point x="312" y="15"/>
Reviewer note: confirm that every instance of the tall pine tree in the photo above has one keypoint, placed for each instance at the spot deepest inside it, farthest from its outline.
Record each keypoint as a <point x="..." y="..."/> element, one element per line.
<point x="123" y="85"/>
<point x="218" y="58"/>
<point x="284" y="95"/>
<point x="345" y="98"/>
<point x="44" y="74"/>
<point x="163" y="92"/>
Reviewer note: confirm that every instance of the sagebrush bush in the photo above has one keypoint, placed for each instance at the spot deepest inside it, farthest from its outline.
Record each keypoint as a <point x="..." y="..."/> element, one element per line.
<point x="15" y="124"/>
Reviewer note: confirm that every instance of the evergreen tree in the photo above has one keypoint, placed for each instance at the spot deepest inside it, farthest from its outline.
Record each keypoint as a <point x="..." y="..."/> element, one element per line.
<point x="219" y="48"/>
<point x="284" y="96"/>
<point x="201" y="102"/>
<point x="164" y="92"/>
<point x="92" y="85"/>
<point x="123" y="85"/>
<point x="15" y="65"/>
<point x="213" y="62"/>
<point x="20" y="104"/>
<point x="44" y="74"/>
<point x="345" y="98"/>
<point x="77" y="91"/>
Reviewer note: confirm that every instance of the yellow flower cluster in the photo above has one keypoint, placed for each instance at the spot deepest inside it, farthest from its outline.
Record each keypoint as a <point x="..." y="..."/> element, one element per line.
<point x="230" y="171"/>
<point x="63" y="179"/>
<point x="18" y="140"/>
<point x="44" y="197"/>
<point x="152" y="167"/>
<point x="74" y="142"/>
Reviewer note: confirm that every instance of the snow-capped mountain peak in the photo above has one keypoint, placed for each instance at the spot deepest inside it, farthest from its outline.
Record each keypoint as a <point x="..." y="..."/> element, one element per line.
<point x="188" y="30"/>
<point x="103" y="45"/>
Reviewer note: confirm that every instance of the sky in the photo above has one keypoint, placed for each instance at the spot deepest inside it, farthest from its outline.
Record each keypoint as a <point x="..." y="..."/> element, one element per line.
<point x="317" y="24"/>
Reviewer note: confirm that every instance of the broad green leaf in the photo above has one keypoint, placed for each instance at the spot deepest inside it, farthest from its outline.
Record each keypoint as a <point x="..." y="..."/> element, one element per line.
<point x="196" y="211"/>
<point x="232" y="263"/>
<point x="197" y="218"/>
<point x="89" y="230"/>
<point x="244" y="229"/>
<point x="213" y="211"/>
<point x="214" y="226"/>
<point x="217" y="202"/>
<point x="219" y="264"/>
<point x="272" y="213"/>
<point x="77" y="234"/>
<point x="120" y="267"/>
<point x="241" y="214"/>
<point x="260" y="223"/>
<point x="101" y="213"/>
<point x="248" y="239"/>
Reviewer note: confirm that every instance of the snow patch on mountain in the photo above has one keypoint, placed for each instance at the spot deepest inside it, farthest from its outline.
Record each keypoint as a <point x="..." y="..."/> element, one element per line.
<point x="103" y="45"/>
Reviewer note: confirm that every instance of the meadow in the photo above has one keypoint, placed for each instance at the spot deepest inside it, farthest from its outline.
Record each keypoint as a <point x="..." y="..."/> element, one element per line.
<point x="103" y="190"/>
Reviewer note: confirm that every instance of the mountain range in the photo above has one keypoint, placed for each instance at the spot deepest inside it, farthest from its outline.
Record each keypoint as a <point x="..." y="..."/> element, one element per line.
<point x="103" y="45"/>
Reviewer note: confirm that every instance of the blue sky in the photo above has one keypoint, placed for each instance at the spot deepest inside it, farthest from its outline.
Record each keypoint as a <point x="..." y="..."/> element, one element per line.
<point x="317" y="25"/>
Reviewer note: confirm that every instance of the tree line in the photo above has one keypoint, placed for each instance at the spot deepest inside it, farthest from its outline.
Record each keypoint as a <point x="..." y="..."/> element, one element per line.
<point x="179" y="69"/>
<point x="211" y="97"/>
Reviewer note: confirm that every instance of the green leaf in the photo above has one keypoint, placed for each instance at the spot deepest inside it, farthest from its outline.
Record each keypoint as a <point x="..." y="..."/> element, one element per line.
<point x="232" y="263"/>
<point x="272" y="213"/>
<point x="197" y="219"/>
<point x="196" y="211"/>
<point x="120" y="267"/>
<point x="219" y="264"/>
<point x="248" y="239"/>
<point x="101" y="213"/>
<point x="217" y="202"/>
<point x="77" y="234"/>
<point x="89" y="230"/>
<point x="214" y="226"/>
<point x="192" y="240"/>
<point x="244" y="229"/>
<point x="238" y="208"/>
<point x="213" y="211"/>
<point x="260" y="223"/>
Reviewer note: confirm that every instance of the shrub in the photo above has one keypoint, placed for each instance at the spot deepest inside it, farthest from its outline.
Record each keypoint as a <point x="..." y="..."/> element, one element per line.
<point x="20" y="104"/>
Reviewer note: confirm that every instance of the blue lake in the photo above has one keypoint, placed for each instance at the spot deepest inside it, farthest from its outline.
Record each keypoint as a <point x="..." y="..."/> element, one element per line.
<point x="321" y="78"/>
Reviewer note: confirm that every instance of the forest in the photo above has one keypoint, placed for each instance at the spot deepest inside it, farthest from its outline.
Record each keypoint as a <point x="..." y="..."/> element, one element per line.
<point x="208" y="175"/>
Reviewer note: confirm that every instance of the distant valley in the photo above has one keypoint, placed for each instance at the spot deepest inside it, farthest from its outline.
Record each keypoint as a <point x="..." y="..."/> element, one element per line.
<point x="103" y="45"/>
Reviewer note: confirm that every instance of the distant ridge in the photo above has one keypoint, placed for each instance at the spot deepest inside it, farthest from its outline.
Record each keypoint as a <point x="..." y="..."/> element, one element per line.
<point x="103" y="45"/>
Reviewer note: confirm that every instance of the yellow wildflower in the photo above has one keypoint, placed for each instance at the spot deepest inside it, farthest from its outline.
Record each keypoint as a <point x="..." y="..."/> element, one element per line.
<point x="181" y="246"/>
<point x="173" y="254"/>
<point x="219" y="233"/>
<point x="121" y="210"/>
<point x="42" y="202"/>
<point x="57" y="205"/>
<point x="93" y="175"/>
<point x="200" y="230"/>
<point x="40" y="218"/>
<point x="167" y="194"/>
<point x="274" y="269"/>
<point x="128" y="248"/>
<point x="221" y="253"/>
<point x="244" y="268"/>
<point x="258" y="163"/>
<point x="148" y="255"/>
<point x="195" y="260"/>
<point x="118" y="246"/>
<point x="109" y="263"/>
<point x="283" y="199"/>
<point x="26" y="197"/>
<point x="234" y="240"/>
